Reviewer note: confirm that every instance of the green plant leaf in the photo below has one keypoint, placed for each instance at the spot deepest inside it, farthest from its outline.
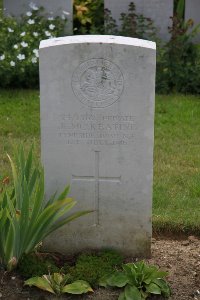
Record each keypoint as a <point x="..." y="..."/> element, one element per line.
<point x="144" y="295"/>
<point x="64" y="194"/>
<point x="58" y="278"/>
<point x="180" y="8"/>
<point x="68" y="219"/>
<point x="28" y="164"/>
<point x="154" y="275"/>
<point x="165" y="289"/>
<point x="103" y="281"/>
<point x="122" y="296"/>
<point x="41" y="283"/>
<point x="27" y="220"/>
<point x="77" y="287"/>
<point x="131" y="273"/>
<point x="117" y="279"/>
<point x="153" y="289"/>
<point x="132" y="292"/>
<point x="151" y="273"/>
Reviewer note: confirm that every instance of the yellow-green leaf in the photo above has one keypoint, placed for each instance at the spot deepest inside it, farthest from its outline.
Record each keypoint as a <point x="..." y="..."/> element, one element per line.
<point x="40" y="283"/>
<point x="77" y="287"/>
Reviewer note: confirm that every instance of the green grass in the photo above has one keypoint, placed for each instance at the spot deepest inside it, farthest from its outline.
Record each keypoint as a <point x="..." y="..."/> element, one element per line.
<point x="177" y="164"/>
<point x="176" y="206"/>
<point x="19" y="123"/>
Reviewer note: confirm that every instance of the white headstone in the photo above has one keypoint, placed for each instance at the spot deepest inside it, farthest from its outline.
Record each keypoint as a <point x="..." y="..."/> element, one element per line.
<point x="51" y="8"/>
<point x="192" y="11"/>
<point x="159" y="11"/>
<point x="97" y="120"/>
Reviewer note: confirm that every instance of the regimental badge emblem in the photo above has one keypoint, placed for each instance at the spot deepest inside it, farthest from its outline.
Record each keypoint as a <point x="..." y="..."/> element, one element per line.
<point x="97" y="83"/>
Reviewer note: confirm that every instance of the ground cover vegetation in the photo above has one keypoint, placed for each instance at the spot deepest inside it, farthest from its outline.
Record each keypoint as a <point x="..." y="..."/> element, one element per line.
<point x="138" y="281"/>
<point x="176" y="154"/>
<point x="26" y="219"/>
<point x="89" y="266"/>
<point x="178" y="60"/>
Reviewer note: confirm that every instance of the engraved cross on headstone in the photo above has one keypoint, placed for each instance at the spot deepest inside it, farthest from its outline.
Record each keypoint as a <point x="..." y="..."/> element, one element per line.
<point x="97" y="179"/>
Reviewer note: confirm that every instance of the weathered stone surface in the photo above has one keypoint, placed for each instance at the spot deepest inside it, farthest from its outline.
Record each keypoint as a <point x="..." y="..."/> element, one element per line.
<point x="159" y="11"/>
<point x="97" y="118"/>
<point x="192" y="9"/>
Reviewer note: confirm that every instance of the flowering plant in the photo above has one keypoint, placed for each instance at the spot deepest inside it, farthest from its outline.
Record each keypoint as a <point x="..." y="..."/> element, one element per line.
<point x="19" y="43"/>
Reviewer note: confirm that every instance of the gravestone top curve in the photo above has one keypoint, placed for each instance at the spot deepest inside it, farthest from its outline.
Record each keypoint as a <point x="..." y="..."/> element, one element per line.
<point x="105" y="39"/>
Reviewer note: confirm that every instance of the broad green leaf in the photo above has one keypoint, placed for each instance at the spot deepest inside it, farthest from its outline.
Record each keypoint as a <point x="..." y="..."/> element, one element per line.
<point x="77" y="287"/>
<point x="165" y="289"/>
<point x="58" y="278"/>
<point x="132" y="293"/>
<point x="117" y="279"/>
<point x="144" y="295"/>
<point x="153" y="289"/>
<point x="130" y="271"/>
<point x="48" y="278"/>
<point x="122" y="296"/>
<point x="140" y="265"/>
<point x="41" y="283"/>
<point x="155" y="275"/>
<point x="103" y="281"/>
<point x="161" y="274"/>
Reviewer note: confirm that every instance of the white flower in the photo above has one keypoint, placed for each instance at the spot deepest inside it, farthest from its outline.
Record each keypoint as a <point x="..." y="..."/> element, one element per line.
<point x="10" y="29"/>
<point x="50" y="18"/>
<point x="24" y="44"/>
<point x="21" y="56"/>
<point x="12" y="63"/>
<point x="31" y="21"/>
<point x="47" y="33"/>
<point x="29" y="13"/>
<point x="15" y="46"/>
<point x="51" y="27"/>
<point x="23" y="33"/>
<point x="35" y="33"/>
<point x="66" y="13"/>
<point x="34" y="60"/>
<point x="2" y="57"/>
<point x="33" y="6"/>
<point x="36" y="52"/>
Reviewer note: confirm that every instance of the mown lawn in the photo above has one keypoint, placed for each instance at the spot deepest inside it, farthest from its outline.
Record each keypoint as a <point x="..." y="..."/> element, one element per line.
<point x="177" y="164"/>
<point x="176" y="205"/>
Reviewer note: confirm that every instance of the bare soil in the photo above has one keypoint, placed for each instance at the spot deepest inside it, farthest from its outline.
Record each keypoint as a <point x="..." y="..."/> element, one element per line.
<point x="181" y="258"/>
